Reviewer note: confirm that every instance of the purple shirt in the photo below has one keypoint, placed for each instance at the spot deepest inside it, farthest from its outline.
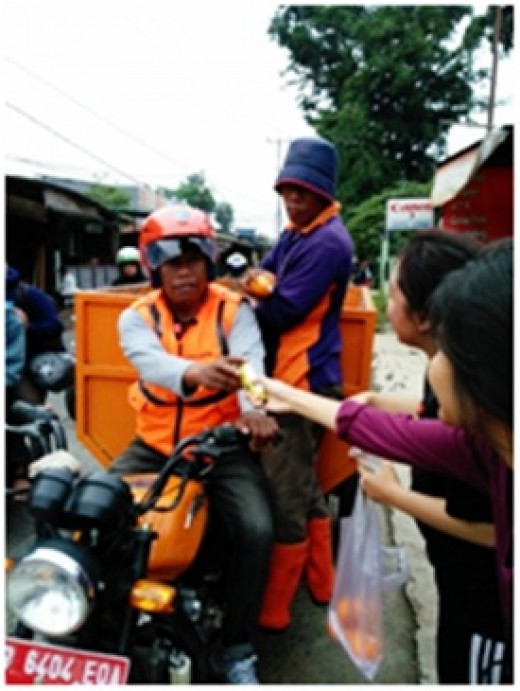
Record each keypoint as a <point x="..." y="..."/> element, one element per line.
<point x="432" y="445"/>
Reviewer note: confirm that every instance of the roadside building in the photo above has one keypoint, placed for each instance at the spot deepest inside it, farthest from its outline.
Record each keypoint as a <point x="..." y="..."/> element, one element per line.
<point x="49" y="227"/>
<point x="473" y="189"/>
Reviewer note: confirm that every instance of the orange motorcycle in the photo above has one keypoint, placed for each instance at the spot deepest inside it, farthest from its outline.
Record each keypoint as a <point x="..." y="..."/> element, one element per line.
<point x="119" y="586"/>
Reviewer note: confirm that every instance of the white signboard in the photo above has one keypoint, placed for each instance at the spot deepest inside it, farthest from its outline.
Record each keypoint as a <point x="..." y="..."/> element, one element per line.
<point x="409" y="214"/>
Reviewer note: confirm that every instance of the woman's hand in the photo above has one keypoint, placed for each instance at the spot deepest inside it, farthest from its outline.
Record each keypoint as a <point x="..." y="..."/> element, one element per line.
<point x="273" y="400"/>
<point x="380" y="484"/>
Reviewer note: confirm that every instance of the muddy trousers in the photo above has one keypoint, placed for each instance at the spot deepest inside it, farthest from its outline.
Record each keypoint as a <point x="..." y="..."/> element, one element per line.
<point x="303" y="545"/>
<point x="239" y="499"/>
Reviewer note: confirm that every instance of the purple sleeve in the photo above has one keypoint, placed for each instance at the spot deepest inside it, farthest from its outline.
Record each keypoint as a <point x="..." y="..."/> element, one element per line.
<point x="300" y="289"/>
<point x="269" y="261"/>
<point x="428" y="444"/>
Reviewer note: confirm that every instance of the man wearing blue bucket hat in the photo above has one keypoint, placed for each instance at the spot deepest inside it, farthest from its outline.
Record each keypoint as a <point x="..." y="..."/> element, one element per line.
<point x="300" y="326"/>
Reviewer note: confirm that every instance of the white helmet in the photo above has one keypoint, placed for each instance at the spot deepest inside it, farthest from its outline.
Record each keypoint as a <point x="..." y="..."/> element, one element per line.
<point x="236" y="261"/>
<point x="128" y="255"/>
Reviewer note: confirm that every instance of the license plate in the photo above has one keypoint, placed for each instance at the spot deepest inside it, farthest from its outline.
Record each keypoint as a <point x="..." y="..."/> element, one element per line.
<point x="29" y="662"/>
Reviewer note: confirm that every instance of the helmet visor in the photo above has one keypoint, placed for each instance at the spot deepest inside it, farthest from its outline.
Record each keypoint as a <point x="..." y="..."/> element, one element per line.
<point x="162" y="251"/>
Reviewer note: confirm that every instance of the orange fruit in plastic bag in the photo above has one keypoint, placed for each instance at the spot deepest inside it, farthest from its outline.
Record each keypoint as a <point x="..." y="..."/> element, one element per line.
<point x="261" y="285"/>
<point x="342" y="608"/>
<point x="363" y="644"/>
<point x="349" y="610"/>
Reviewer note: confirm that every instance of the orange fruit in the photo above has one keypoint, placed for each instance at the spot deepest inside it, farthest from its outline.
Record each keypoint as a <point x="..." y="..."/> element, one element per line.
<point x="363" y="644"/>
<point x="261" y="285"/>
<point x="342" y="608"/>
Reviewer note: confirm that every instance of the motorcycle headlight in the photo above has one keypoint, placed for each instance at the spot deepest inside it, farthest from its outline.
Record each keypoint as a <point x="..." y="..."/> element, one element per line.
<point x="51" y="590"/>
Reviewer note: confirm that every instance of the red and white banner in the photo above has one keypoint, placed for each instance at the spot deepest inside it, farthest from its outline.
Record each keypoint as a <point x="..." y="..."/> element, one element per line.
<point x="409" y="214"/>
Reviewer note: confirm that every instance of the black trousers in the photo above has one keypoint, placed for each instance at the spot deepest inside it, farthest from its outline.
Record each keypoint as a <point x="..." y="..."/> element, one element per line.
<point x="238" y="496"/>
<point x="471" y="641"/>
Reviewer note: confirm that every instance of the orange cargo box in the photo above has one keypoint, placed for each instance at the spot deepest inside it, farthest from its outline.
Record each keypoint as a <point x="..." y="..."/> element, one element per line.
<point x="104" y="419"/>
<point x="358" y="325"/>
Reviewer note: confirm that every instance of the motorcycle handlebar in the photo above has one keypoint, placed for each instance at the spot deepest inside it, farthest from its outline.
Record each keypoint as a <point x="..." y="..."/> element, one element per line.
<point x="45" y="431"/>
<point x="194" y="457"/>
<point x="22" y="412"/>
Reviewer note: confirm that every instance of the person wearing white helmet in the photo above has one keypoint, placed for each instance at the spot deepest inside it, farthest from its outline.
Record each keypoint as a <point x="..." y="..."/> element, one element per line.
<point x="236" y="264"/>
<point x="128" y="260"/>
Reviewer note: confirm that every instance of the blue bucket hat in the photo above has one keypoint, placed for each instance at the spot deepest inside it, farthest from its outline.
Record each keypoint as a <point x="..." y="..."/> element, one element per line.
<point x="311" y="162"/>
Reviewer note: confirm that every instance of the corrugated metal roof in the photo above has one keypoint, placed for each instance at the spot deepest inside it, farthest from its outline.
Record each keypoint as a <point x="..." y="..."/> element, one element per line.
<point x="455" y="172"/>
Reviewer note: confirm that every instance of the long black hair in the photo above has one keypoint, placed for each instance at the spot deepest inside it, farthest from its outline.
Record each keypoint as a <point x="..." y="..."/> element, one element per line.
<point x="472" y="317"/>
<point x="426" y="259"/>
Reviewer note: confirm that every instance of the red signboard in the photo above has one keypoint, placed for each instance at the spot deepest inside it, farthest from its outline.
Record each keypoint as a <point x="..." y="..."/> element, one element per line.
<point x="484" y="206"/>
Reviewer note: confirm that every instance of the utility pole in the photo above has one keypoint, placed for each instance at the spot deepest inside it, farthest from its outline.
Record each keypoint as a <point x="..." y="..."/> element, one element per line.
<point x="494" y="66"/>
<point x="278" y="143"/>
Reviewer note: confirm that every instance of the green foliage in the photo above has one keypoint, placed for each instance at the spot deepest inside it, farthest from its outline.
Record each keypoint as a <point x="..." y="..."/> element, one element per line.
<point x="380" y="301"/>
<point x="108" y="195"/>
<point x="166" y="192"/>
<point x="384" y="83"/>
<point x="483" y="27"/>
<point x="196" y="193"/>
<point x="224" y="215"/>
<point x="366" y="222"/>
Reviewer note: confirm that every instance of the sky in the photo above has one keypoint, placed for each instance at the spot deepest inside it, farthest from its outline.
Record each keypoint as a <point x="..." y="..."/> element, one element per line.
<point x="151" y="91"/>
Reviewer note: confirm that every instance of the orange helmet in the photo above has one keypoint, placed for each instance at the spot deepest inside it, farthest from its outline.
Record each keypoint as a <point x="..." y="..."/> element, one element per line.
<point x="169" y="231"/>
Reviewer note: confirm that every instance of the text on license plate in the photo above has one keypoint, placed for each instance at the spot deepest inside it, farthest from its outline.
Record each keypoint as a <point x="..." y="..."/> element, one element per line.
<point x="29" y="662"/>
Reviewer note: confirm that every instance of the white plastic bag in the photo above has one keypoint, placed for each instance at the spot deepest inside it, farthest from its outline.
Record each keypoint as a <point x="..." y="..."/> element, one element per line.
<point x="365" y="570"/>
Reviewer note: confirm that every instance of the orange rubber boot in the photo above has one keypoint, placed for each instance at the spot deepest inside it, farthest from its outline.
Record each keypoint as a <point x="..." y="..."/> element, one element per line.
<point x="320" y="562"/>
<point x="285" y="572"/>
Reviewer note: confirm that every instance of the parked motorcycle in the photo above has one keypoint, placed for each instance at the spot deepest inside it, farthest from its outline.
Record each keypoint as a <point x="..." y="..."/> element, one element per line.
<point x="31" y="431"/>
<point x="119" y="586"/>
<point x="54" y="371"/>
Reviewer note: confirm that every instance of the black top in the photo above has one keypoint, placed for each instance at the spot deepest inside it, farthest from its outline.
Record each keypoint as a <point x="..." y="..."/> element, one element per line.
<point x="466" y="569"/>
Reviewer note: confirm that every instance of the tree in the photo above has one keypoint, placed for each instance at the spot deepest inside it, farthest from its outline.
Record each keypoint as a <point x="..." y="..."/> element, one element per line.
<point x="224" y="215"/>
<point x="195" y="192"/>
<point x="166" y="193"/>
<point x="108" y="195"/>
<point x="384" y="83"/>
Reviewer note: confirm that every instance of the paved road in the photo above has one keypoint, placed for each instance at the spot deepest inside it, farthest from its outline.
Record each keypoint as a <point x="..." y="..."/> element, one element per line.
<point x="305" y="653"/>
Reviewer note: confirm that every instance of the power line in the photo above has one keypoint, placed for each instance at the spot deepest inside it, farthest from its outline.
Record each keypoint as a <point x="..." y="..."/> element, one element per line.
<point x="97" y="115"/>
<point x="105" y="120"/>
<point x="162" y="48"/>
<point x="68" y="141"/>
<point x="47" y="164"/>
<point x="278" y="143"/>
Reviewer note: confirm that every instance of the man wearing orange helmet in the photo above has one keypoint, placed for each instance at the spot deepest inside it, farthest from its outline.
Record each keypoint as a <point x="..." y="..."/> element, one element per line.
<point x="186" y="339"/>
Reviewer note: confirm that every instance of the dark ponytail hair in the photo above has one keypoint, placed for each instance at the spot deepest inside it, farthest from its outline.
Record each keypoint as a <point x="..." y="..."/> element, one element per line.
<point x="472" y="317"/>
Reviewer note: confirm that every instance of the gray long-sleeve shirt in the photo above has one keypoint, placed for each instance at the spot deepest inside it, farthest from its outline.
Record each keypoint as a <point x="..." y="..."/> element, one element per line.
<point x="155" y="365"/>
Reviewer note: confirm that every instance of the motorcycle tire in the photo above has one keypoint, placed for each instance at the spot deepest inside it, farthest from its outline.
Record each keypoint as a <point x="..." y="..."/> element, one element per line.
<point x="180" y="634"/>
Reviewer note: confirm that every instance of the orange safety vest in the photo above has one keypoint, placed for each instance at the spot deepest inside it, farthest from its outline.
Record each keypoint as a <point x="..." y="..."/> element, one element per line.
<point x="163" y="417"/>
